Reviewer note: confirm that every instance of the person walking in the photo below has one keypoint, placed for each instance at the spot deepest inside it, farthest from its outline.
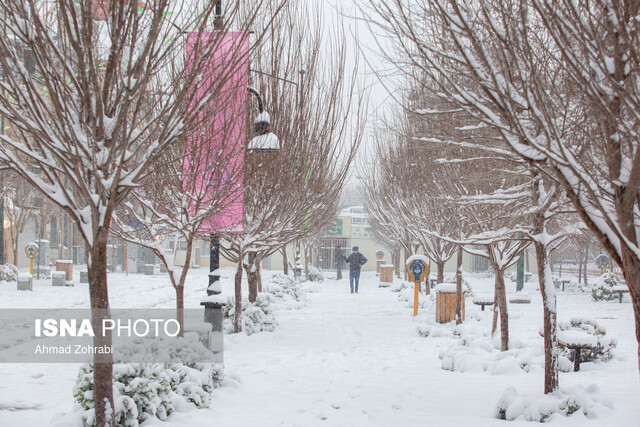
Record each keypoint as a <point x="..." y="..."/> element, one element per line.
<point x="356" y="260"/>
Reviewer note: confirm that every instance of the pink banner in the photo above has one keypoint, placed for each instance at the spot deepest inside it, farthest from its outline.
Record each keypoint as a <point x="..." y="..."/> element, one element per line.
<point x="214" y="158"/>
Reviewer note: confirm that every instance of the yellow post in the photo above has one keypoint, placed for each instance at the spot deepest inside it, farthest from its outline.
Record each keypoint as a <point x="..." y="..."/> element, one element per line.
<point x="418" y="269"/>
<point x="416" y="291"/>
<point x="126" y="259"/>
<point x="31" y="266"/>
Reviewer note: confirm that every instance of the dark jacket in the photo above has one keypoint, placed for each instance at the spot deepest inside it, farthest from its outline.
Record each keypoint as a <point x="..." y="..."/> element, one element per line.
<point x="355" y="261"/>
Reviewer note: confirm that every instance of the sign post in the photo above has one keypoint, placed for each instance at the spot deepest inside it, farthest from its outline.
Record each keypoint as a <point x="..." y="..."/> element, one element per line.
<point x="417" y="270"/>
<point x="31" y="250"/>
<point x="602" y="262"/>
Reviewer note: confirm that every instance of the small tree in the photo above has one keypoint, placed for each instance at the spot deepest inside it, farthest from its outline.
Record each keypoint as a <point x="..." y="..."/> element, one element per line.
<point x="96" y="93"/>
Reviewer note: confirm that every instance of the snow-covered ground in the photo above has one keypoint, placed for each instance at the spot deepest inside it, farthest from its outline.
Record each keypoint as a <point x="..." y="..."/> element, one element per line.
<point x="342" y="360"/>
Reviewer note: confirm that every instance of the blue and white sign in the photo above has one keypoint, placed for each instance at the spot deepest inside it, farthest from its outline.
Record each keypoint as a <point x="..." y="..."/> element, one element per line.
<point x="417" y="268"/>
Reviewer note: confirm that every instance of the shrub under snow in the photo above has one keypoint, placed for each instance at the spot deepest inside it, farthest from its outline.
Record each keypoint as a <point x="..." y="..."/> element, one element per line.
<point x="145" y="391"/>
<point x="399" y="286"/>
<point x="564" y="401"/>
<point x="315" y="275"/>
<point x="8" y="273"/>
<point x="284" y="292"/>
<point x="256" y="317"/>
<point x="602" y="289"/>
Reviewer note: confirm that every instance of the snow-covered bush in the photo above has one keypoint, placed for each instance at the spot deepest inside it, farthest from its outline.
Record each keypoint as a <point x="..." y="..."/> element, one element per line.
<point x="605" y="345"/>
<point x="8" y="273"/>
<point x="564" y="401"/>
<point x="602" y="289"/>
<point x="399" y="286"/>
<point x="315" y="274"/>
<point x="256" y="317"/>
<point x="153" y="390"/>
<point x="284" y="292"/>
<point x="407" y="295"/>
<point x="285" y="288"/>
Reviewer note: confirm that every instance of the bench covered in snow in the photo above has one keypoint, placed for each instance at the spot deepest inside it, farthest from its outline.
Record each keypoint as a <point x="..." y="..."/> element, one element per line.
<point x="483" y="300"/>
<point x="620" y="290"/>
<point x="577" y="340"/>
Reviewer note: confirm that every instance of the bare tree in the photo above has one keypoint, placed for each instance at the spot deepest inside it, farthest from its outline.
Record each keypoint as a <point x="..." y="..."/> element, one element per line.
<point x="311" y="99"/>
<point x="106" y="99"/>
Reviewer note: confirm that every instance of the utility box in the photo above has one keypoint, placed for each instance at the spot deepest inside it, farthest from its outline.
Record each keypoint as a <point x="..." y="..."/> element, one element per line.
<point x="446" y="303"/>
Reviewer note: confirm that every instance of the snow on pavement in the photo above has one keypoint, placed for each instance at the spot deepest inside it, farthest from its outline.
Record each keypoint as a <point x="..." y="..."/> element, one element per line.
<point x="343" y="360"/>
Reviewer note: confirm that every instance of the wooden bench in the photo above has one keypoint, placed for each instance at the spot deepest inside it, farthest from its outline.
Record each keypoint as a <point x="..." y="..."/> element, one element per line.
<point x="564" y="282"/>
<point x="620" y="290"/>
<point x="482" y="302"/>
<point x="520" y="299"/>
<point x="576" y="341"/>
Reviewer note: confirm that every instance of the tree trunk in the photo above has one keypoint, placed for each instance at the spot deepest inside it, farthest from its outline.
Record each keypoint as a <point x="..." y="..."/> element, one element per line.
<point x="494" y="321"/>
<point x="458" y="286"/>
<point x="99" y="297"/>
<point x="258" y="269"/>
<point x="396" y="262"/>
<point x="631" y="273"/>
<point x="586" y="260"/>
<point x="501" y="301"/>
<point x="180" y="308"/>
<point x="285" y="261"/>
<point x="179" y="287"/>
<point x="306" y="262"/>
<point x="252" y="275"/>
<point x="237" y="318"/>
<point x="580" y="267"/>
<point x="440" y="277"/>
<point x="548" y="291"/>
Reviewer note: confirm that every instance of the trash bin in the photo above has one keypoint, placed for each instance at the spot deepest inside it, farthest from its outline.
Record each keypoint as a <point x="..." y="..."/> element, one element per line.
<point x="386" y="275"/>
<point x="446" y="303"/>
<point x="65" y="265"/>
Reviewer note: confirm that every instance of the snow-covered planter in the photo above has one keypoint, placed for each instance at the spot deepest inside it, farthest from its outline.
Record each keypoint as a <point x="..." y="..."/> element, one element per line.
<point x="8" y="273"/>
<point x="564" y="401"/>
<point x="144" y="391"/>
<point x="603" y="349"/>
<point x="466" y="287"/>
<point x="256" y="317"/>
<point x="602" y="289"/>
<point x="315" y="275"/>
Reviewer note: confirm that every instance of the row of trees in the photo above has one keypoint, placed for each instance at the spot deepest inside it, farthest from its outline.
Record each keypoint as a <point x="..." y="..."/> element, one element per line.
<point x="540" y="95"/>
<point x="110" y="122"/>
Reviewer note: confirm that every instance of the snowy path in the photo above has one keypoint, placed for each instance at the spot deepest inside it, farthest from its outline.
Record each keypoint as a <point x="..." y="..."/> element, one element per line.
<point x="342" y="360"/>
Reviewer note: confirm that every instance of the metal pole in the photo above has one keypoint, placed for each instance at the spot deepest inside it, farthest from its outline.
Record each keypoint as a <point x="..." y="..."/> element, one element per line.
<point x="214" y="260"/>
<point x="520" y="273"/>
<point x="39" y="226"/>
